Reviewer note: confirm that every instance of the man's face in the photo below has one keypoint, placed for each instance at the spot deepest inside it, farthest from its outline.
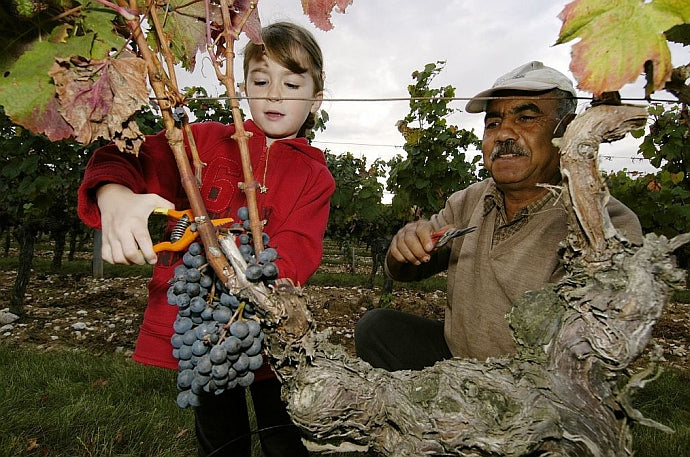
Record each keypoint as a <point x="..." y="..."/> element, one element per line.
<point x="517" y="148"/>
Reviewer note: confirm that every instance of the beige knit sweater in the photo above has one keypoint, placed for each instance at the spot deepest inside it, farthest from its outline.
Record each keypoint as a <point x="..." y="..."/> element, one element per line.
<point x="483" y="281"/>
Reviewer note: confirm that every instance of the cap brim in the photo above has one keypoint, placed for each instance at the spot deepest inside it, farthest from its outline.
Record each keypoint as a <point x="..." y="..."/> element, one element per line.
<point x="477" y="104"/>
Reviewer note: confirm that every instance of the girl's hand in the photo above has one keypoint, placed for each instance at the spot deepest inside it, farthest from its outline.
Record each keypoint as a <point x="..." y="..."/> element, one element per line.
<point x="124" y="224"/>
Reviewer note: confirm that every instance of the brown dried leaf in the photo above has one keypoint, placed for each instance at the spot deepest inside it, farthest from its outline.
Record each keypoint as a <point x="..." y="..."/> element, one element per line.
<point x="98" y="97"/>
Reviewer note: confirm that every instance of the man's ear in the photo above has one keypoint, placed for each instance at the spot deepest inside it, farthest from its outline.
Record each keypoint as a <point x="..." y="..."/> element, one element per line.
<point x="563" y="124"/>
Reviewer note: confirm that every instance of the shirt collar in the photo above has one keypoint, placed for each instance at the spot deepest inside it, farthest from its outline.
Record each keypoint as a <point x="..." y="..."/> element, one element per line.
<point x="494" y="199"/>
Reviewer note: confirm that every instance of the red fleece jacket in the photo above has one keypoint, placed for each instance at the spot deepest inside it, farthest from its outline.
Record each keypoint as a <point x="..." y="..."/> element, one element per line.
<point x="295" y="206"/>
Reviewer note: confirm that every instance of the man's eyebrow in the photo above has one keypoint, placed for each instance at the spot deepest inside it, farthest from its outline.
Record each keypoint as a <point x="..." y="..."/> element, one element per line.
<point x="529" y="106"/>
<point x="526" y="107"/>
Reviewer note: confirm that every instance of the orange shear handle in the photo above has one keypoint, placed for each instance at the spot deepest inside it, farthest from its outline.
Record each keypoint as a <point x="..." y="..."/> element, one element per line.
<point x="190" y="233"/>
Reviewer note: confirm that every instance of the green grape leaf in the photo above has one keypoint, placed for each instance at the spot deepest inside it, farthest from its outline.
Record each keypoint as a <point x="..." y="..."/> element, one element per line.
<point x="98" y="97"/>
<point x="184" y="25"/>
<point x="617" y="38"/>
<point x="100" y="21"/>
<point x="27" y="91"/>
<point x="319" y="11"/>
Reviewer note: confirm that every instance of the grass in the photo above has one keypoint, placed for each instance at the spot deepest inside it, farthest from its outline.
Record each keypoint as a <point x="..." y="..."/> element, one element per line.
<point x="70" y="403"/>
<point x="667" y="401"/>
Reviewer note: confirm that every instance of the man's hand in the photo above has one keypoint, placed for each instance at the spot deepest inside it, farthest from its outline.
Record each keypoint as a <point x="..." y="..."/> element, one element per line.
<point x="124" y="221"/>
<point x="412" y="244"/>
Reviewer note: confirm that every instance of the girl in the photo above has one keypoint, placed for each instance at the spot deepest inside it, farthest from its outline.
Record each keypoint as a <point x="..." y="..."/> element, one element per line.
<point x="284" y="83"/>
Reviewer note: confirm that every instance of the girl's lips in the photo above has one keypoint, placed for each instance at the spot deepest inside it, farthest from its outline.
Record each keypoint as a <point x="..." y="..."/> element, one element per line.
<point x="273" y="115"/>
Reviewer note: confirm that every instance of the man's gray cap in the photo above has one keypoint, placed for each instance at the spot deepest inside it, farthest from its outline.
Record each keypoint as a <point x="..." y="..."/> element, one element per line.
<point x="532" y="76"/>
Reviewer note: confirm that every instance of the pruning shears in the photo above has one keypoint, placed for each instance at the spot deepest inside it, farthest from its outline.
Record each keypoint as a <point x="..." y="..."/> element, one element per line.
<point x="185" y="230"/>
<point x="443" y="236"/>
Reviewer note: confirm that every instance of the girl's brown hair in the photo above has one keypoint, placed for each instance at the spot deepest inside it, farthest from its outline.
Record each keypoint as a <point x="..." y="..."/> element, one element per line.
<point x="296" y="49"/>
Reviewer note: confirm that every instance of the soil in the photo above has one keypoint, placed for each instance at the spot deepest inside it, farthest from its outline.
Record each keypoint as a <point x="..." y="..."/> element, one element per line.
<point x="103" y="315"/>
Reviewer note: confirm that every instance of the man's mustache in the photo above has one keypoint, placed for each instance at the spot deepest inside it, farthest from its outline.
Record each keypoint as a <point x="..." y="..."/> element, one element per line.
<point x="508" y="148"/>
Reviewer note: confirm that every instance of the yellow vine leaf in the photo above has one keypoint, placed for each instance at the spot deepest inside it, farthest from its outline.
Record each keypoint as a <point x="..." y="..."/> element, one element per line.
<point x="617" y="37"/>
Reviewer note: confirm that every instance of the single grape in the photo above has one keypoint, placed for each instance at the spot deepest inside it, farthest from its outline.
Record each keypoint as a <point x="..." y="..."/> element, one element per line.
<point x="229" y="300"/>
<point x="183" y="399"/>
<point x="197" y="304"/>
<point x="179" y="286"/>
<point x="255" y="348"/>
<point x="254" y="272"/>
<point x="204" y="365"/>
<point x="269" y="271"/>
<point x="193" y="399"/>
<point x="240" y="329"/>
<point x="172" y="298"/>
<point x="232" y="345"/>
<point x="220" y="371"/>
<point x="246" y="379"/>
<point x="218" y="354"/>
<point x="184" y="312"/>
<point x="184" y="379"/>
<point x="246" y="342"/>
<point x="185" y="352"/>
<point x="192" y="275"/>
<point x="268" y="255"/>
<point x="195" y="249"/>
<point x="222" y="315"/>
<point x="182" y="325"/>
<point x="193" y="289"/>
<point x="241" y="364"/>
<point x="254" y="327"/>
<point x="207" y="314"/>
<point x="255" y="362"/>
<point x="243" y="213"/>
<point x="199" y="348"/>
<point x="189" y="337"/>
<point x="206" y="281"/>
<point x="183" y="300"/>
<point x="244" y="239"/>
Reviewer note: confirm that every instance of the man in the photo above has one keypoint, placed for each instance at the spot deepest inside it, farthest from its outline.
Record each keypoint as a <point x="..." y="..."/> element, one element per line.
<point x="514" y="248"/>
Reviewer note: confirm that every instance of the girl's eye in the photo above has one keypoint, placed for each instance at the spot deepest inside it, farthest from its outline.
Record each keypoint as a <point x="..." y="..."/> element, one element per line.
<point x="292" y="86"/>
<point x="259" y="82"/>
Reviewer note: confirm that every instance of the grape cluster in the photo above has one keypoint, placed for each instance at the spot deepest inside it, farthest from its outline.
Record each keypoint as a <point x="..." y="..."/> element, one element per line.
<point x="218" y="338"/>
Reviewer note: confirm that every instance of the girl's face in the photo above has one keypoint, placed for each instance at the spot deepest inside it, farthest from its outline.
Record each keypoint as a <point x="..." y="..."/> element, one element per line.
<point x="279" y="100"/>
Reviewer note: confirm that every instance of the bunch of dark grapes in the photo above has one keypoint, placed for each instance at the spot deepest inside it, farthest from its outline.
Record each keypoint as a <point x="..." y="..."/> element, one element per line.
<point x="218" y="338"/>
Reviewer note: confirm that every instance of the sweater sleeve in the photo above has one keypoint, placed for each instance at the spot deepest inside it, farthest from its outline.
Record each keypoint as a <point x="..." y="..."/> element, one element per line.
<point x="152" y="171"/>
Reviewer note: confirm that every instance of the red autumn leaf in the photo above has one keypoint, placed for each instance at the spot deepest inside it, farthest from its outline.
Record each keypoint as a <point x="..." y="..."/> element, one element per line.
<point x="98" y="98"/>
<point x="319" y="11"/>
<point x="253" y="25"/>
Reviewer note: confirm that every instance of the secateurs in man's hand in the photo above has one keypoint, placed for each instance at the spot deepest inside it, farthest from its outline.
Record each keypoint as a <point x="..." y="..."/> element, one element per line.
<point x="443" y="236"/>
<point x="185" y="230"/>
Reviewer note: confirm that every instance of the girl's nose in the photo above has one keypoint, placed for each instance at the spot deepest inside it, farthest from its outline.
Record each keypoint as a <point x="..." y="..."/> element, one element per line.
<point x="273" y="93"/>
